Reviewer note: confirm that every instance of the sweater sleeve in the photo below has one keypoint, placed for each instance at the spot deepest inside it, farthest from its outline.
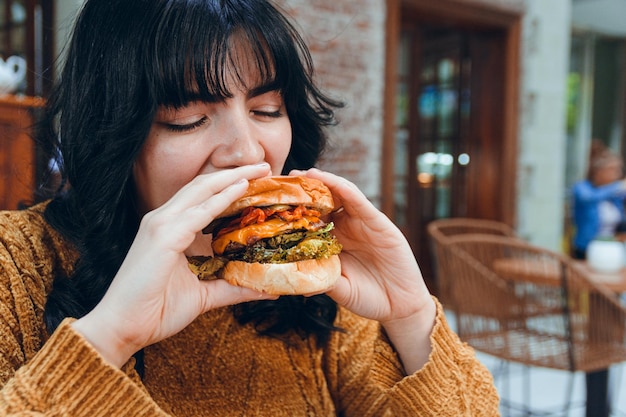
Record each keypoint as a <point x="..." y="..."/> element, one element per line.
<point x="67" y="377"/>
<point x="452" y="383"/>
<point x="63" y="375"/>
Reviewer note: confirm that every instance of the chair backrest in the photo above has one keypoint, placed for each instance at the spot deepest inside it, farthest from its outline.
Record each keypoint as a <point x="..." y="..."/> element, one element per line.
<point x="441" y="230"/>
<point x="463" y="225"/>
<point x="527" y="304"/>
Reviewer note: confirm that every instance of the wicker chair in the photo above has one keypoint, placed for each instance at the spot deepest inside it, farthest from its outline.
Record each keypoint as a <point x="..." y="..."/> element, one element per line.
<point x="441" y="230"/>
<point x="525" y="304"/>
<point x="464" y="225"/>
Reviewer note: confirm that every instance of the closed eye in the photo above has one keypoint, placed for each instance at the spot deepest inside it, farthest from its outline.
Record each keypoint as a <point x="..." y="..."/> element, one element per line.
<point x="186" y="127"/>
<point x="271" y="114"/>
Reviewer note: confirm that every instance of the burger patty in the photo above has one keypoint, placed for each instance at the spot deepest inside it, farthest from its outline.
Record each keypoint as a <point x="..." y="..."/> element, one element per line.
<point x="287" y="247"/>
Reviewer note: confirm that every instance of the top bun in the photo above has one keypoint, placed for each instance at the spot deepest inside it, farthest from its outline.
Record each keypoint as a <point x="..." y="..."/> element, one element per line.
<point x="293" y="191"/>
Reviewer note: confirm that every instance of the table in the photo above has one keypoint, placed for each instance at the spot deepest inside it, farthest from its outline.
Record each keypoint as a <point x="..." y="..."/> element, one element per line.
<point x="615" y="281"/>
<point x="549" y="273"/>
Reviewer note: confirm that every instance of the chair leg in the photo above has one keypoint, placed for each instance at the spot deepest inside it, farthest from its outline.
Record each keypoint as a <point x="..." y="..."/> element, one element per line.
<point x="525" y="408"/>
<point x="527" y="397"/>
<point x="507" y="405"/>
<point x="597" y="389"/>
<point x="617" y="374"/>
<point x="568" y="394"/>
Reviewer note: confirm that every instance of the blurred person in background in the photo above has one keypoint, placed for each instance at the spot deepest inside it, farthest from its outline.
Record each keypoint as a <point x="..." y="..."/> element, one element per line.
<point x="598" y="200"/>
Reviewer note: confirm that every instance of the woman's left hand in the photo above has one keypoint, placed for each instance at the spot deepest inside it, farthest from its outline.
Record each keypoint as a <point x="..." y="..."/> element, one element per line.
<point x="381" y="279"/>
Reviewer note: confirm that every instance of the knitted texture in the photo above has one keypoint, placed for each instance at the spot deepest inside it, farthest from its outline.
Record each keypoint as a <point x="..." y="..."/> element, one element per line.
<point x="214" y="366"/>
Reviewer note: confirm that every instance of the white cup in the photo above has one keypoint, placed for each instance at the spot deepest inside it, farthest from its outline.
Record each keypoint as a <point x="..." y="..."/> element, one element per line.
<point x="605" y="255"/>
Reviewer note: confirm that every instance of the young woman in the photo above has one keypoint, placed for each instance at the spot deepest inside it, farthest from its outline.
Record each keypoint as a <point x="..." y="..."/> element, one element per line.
<point x="164" y="111"/>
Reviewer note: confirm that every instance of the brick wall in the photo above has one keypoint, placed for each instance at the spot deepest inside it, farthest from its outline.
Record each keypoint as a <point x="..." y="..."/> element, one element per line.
<point x="346" y="39"/>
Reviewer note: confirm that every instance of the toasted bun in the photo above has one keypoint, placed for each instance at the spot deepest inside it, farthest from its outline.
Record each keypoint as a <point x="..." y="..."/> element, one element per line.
<point x="302" y="277"/>
<point x="293" y="191"/>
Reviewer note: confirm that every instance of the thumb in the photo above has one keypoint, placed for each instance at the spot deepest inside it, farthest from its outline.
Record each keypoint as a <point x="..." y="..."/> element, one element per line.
<point x="219" y="293"/>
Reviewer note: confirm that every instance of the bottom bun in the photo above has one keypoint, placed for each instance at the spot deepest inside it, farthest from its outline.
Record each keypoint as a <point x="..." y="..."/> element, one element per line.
<point x="302" y="277"/>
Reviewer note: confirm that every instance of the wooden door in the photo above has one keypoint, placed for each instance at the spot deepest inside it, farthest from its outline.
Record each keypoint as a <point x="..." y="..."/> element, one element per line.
<point x="454" y="124"/>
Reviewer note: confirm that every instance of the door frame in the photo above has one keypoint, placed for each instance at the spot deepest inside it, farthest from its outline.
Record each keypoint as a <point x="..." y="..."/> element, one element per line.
<point x="467" y="14"/>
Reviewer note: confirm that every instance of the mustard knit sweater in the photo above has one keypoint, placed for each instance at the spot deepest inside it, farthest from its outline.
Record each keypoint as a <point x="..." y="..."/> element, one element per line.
<point x="215" y="367"/>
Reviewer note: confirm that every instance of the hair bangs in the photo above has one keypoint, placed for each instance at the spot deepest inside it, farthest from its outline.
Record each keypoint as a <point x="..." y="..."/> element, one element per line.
<point x="212" y="54"/>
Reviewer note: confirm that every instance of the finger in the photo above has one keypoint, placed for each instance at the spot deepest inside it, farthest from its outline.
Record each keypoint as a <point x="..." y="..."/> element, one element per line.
<point x="219" y="293"/>
<point x="204" y="186"/>
<point x="207" y="196"/>
<point x="341" y="291"/>
<point x="200" y="215"/>
<point x="176" y="229"/>
<point x="347" y="194"/>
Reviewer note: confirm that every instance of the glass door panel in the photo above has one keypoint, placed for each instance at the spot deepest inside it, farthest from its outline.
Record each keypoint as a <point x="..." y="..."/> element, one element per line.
<point x="433" y="109"/>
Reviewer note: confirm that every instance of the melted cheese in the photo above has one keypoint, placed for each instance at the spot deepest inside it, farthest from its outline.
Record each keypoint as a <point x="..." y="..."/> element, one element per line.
<point x="255" y="232"/>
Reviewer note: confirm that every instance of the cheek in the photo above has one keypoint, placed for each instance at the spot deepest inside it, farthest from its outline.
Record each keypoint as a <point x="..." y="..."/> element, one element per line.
<point x="279" y="156"/>
<point x="277" y="149"/>
<point x="159" y="174"/>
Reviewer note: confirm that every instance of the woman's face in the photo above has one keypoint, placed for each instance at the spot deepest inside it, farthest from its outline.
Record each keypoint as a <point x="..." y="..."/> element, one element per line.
<point x="607" y="174"/>
<point x="200" y="138"/>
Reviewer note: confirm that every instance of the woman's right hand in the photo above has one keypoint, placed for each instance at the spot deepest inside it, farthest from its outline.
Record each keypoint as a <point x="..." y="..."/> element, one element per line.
<point x="154" y="294"/>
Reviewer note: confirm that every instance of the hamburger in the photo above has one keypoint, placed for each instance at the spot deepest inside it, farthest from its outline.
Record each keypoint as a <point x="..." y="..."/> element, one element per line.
<point x="274" y="239"/>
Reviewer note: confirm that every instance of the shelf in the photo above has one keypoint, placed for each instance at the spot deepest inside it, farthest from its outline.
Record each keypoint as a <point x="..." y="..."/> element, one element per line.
<point x="19" y="100"/>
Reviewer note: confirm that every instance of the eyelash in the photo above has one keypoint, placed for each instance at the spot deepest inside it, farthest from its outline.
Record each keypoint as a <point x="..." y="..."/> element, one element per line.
<point x="191" y="126"/>
<point x="273" y="114"/>
<point x="186" y="127"/>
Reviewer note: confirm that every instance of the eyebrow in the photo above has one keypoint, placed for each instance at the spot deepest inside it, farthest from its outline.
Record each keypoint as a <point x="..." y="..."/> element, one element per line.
<point x="262" y="89"/>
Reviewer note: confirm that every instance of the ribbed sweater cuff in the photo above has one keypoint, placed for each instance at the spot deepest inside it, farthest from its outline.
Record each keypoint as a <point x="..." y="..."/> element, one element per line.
<point x="438" y="379"/>
<point x="68" y="375"/>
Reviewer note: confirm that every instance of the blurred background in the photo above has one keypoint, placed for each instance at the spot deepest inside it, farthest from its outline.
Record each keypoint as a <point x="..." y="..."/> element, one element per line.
<point x="455" y="108"/>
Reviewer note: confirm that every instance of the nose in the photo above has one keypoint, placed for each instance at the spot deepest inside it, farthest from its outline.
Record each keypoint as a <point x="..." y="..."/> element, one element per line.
<point x="240" y="144"/>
